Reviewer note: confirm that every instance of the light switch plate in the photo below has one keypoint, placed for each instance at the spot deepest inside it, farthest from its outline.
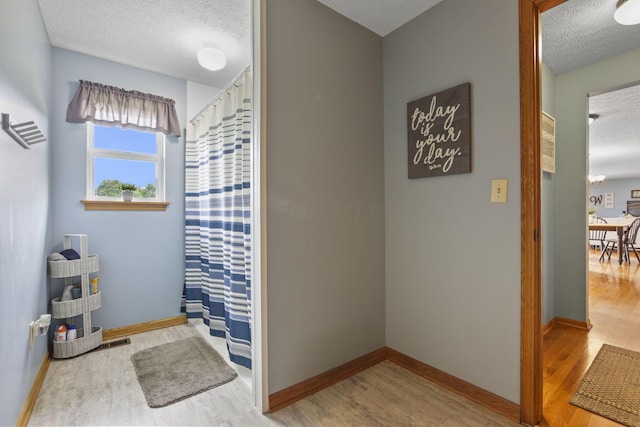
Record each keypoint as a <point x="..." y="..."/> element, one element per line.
<point x="499" y="190"/>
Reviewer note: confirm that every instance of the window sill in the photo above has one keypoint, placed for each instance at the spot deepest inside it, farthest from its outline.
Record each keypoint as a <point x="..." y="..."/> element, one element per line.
<point x="101" y="205"/>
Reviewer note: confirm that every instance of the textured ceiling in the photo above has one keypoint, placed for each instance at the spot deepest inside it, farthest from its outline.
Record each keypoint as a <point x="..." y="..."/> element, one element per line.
<point x="157" y="35"/>
<point x="582" y="32"/>
<point x="614" y="138"/>
<point x="164" y="36"/>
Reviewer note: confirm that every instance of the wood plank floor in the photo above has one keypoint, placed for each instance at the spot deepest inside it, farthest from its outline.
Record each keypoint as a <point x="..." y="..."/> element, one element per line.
<point x="614" y="310"/>
<point x="100" y="388"/>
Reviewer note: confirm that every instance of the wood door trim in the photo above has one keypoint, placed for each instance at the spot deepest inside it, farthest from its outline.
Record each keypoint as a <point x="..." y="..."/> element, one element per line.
<point x="544" y="5"/>
<point x="530" y="171"/>
<point x="530" y="187"/>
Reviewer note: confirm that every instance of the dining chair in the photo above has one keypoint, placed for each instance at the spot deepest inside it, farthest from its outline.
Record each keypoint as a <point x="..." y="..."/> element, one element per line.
<point x="628" y="241"/>
<point x="598" y="237"/>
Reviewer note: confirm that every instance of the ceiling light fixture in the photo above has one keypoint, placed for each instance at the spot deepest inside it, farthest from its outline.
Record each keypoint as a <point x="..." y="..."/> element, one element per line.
<point x="596" y="179"/>
<point x="627" y="12"/>
<point x="212" y="59"/>
<point x="593" y="117"/>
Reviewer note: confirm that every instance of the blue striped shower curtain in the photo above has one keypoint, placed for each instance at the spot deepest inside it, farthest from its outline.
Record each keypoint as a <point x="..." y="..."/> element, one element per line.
<point x="218" y="214"/>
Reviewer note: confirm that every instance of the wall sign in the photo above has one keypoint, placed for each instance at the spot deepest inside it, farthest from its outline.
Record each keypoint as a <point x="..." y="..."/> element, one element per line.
<point x="548" y="143"/>
<point x="439" y="133"/>
<point x="609" y="200"/>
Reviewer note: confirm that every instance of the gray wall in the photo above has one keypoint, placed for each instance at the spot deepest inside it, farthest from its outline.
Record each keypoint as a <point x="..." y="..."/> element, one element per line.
<point x="572" y="89"/>
<point x="453" y="257"/>
<point x="548" y="206"/>
<point x="25" y="93"/>
<point x="325" y="191"/>
<point x="141" y="253"/>
<point x="198" y="96"/>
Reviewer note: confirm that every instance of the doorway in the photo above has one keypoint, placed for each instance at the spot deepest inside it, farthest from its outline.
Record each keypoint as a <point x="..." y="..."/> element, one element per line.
<point x="531" y="334"/>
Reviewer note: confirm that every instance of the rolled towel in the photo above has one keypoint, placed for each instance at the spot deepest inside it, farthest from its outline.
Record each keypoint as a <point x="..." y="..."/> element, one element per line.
<point x="56" y="256"/>
<point x="70" y="254"/>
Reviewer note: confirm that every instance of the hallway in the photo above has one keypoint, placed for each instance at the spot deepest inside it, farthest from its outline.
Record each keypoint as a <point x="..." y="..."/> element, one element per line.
<point x="614" y="310"/>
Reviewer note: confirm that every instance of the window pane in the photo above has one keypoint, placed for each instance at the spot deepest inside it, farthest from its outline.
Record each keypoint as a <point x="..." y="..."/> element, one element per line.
<point x="109" y="173"/>
<point x="124" y="140"/>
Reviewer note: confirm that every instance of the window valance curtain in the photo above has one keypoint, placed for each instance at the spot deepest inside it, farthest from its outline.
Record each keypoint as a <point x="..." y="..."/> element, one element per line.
<point x="112" y="106"/>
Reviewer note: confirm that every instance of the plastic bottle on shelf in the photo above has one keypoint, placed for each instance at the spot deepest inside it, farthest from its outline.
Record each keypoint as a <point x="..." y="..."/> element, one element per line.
<point x="61" y="333"/>
<point x="72" y="333"/>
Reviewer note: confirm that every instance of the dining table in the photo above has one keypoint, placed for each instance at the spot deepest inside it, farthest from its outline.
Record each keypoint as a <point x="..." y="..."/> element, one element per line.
<point x="618" y="224"/>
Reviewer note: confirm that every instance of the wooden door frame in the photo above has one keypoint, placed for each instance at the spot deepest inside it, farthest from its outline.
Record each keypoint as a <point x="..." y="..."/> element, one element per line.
<point x="530" y="216"/>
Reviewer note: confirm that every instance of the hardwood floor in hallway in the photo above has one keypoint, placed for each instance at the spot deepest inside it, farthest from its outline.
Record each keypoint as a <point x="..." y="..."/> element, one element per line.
<point x="614" y="310"/>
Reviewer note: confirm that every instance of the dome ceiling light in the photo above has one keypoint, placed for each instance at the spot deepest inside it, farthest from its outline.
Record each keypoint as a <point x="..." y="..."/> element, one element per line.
<point x="212" y="59"/>
<point x="627" y="12"/>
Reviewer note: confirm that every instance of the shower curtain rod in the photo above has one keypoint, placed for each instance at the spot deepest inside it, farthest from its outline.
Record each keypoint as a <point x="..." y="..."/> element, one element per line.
<point x="219" y="94"/>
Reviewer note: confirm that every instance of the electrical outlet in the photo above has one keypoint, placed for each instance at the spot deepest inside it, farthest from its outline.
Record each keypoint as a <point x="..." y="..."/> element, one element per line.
<point x="499" y="190"/>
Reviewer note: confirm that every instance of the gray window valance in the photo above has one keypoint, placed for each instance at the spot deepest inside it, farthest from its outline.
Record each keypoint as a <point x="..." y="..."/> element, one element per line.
<point x="112" y="106"/>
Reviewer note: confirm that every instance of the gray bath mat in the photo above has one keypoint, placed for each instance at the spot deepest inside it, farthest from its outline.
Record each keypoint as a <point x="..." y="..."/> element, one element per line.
<point x="172" y="372"/>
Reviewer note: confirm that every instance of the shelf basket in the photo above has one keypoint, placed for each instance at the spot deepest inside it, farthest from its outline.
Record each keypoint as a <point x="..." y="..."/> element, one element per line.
<point x="83" y="306"/>
<point x="66" y="309"/>
<point x="75" y="267"/>
<point x="82" y="344"/>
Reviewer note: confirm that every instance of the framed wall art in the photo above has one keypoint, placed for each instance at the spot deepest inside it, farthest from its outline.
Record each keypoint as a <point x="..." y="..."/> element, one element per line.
<point x="439" y="133"/>
<point x="609" y="200"/>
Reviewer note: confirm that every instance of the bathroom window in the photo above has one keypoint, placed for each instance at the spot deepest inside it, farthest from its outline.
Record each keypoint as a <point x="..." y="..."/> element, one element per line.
<point x="117" y="156"/>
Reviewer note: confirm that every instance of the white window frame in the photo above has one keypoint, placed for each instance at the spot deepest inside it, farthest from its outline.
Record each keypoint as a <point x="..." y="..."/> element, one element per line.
<point x="158" y="158"/>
